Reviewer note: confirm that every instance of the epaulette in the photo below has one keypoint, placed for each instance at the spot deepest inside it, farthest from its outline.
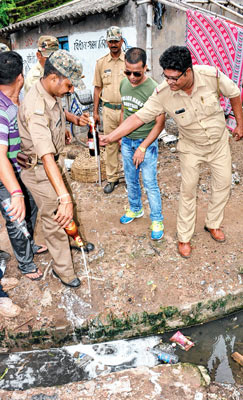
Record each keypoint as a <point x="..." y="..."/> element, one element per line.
<point x="206" y="70"/>
<point x="160" y="87"/>
<point x="101" y="58"/>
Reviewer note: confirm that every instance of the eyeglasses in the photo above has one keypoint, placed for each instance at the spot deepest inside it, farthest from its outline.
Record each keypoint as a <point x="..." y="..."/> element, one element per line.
<point x="135" y="73"/>
<point x="172" y="78"/>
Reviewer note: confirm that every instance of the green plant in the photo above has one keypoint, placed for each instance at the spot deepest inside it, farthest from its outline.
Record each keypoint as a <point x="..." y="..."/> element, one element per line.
<point x="5" y="6"/>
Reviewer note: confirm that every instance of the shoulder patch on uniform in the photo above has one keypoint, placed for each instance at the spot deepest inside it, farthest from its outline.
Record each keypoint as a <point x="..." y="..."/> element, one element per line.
<point x="160" y="87"/>
<point x="101" y="58"/>
<point x="206" y="70"/>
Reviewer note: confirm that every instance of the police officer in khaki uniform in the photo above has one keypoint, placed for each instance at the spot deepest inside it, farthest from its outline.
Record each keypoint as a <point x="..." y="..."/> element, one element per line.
<point x="41" y="123"/>
<point x="108" y="75"/>
<point x="46" y="45"/>
<point x="191" y="96"/>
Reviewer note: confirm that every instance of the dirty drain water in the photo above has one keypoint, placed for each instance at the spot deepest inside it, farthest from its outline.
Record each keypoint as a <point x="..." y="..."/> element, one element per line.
<point x="214" y="344"/>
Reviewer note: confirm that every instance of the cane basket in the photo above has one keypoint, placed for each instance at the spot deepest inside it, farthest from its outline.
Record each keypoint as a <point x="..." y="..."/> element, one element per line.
<point x="85" y="168"/>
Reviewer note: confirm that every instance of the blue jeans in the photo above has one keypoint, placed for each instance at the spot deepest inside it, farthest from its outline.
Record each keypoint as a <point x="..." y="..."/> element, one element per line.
<point x="149" y="175"/>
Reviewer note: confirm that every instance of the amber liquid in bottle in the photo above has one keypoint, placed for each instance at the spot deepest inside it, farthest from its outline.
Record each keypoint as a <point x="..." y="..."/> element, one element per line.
<point x="72" y="230"/>
<point x="92" y="131"/>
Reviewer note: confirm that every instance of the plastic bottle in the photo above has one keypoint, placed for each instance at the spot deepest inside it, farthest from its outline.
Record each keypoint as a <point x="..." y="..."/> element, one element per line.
<point x="168" y="358"/>
<point x="164" y="356"/>
<point x="21" y="226"/>
<point x="91" y="141"/>
<point x="72" y="230"/>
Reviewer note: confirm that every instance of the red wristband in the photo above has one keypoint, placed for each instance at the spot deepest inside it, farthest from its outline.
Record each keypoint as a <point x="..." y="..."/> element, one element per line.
<point x="16" y="191"/>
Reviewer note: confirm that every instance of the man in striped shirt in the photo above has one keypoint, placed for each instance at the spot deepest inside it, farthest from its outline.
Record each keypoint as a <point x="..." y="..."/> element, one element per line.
<point x="11" y="186"/>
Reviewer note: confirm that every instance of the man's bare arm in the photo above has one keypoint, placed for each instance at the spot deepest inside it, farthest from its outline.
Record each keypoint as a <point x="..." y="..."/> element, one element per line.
<point x="237" y="109"/>
<point x="97" y="91"/>
<point x="154" y="133"/>
<point x="127" y="126"/>
<point x="9" y="180"/>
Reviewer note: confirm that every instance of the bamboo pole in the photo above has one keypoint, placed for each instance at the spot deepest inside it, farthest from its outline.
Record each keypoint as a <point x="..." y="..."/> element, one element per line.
<point x="227" y="9"/>
<point x="232" y="3"/>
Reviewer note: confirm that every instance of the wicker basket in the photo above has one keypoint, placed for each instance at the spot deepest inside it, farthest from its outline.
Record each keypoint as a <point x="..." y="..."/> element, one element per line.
<point x="85" y="168"/>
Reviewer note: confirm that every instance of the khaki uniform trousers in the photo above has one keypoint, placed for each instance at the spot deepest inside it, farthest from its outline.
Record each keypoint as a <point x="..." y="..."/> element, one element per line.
<point x="111" y="120"/>
<point x="218" y="157"/>
<point x="57" y="240"/>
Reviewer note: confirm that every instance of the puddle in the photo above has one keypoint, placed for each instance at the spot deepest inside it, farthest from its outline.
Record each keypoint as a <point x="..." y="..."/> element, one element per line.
<point x="214" y="344"/>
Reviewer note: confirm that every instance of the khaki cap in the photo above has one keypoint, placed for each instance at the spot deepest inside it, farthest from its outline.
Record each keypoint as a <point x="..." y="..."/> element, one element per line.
<point x="47" y="45"/>
<point x="4" y="47"/>
<point x="68" y="66"/>
<point x="113" y="33"/>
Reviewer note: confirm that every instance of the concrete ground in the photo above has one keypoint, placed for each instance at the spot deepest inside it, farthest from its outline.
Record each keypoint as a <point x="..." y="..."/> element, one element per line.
<point x="182" y="381"/>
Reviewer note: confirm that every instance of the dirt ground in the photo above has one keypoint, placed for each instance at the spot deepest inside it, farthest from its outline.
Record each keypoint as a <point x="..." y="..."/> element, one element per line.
<point x="128" y="271"/>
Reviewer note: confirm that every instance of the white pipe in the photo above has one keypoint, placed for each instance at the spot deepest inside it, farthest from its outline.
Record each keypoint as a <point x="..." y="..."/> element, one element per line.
<point x="149" y="37"/>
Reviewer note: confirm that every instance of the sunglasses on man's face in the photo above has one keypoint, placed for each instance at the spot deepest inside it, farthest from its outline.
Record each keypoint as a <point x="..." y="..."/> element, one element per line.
<point x="135" y="73"/>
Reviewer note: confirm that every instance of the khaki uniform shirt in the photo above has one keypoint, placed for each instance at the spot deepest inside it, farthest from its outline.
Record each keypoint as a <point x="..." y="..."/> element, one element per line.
<point x="34" y="74"/>
<point x="109" y="73"/>
<point x="41" y="123"/>
<point x="202" y="122"/>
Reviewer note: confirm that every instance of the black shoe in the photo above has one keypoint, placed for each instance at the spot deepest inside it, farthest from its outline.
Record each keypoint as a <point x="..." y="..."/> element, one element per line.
<point x="87" y="247"/>
<point x="110" y="186"/>
<point x="73" y="284"/>
<point x="4" y="256"/>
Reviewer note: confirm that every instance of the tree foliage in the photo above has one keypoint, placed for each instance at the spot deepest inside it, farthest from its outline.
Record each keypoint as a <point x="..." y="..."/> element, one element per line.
<point x="5" y="6"/>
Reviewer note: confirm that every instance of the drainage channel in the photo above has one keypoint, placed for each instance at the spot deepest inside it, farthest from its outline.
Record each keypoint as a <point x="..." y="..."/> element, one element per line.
<point x="214" y="344"/>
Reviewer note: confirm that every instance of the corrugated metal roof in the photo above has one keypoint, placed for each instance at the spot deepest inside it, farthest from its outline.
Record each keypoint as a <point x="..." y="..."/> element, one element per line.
<point x="72" y="10"/>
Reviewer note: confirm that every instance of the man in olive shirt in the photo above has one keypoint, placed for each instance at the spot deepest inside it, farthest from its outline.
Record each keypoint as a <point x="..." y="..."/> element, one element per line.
<point x="108" y="75"/>
<point x="189" y="94"/>
<point x="41" y="121"/>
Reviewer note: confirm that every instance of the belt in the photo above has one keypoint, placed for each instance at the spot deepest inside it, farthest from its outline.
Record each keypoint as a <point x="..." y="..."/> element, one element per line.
<point x="112" y="106"/>
<point x="55" y="158"/>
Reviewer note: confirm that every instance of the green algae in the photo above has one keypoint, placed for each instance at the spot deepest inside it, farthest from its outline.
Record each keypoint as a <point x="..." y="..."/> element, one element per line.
<point x="109" y="326"/>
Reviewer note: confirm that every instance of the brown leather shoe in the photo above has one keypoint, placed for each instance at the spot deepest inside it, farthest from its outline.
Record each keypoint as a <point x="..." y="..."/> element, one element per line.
<point x="184" y="249"/>
<point x="216" y="234"/>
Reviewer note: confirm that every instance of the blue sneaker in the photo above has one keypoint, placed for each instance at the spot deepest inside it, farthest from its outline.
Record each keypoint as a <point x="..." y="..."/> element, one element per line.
<point x="130" y="216"/>
<point x="157" y="230"/>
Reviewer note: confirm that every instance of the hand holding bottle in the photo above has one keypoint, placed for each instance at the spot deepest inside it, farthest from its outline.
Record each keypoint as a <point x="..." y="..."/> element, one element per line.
<point x="64" y="213"/>
<point x="84" y="119"/>
<point x="13" y="212"/>
<point x="16" y="209"/>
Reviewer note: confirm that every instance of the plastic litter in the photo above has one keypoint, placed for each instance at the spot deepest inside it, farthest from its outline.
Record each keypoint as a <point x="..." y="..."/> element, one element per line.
<point x="179" y="338"/>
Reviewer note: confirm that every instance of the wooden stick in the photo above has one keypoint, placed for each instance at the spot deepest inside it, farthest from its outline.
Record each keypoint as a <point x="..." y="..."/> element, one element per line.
<point x="238" y="358"/>
<point x="26" y="322"/>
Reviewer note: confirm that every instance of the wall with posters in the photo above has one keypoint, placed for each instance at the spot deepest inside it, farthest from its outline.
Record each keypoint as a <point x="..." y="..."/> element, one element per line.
<point x="87" y="48"/>
<point x="91" y="46"/>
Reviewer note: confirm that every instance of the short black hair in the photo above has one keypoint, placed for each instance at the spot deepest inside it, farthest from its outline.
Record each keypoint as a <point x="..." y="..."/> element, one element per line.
<point x="11" y="65"/>
<point x="135" y="54"/>
<point x="49" y="69"/>
<point x="177" y="58"/>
